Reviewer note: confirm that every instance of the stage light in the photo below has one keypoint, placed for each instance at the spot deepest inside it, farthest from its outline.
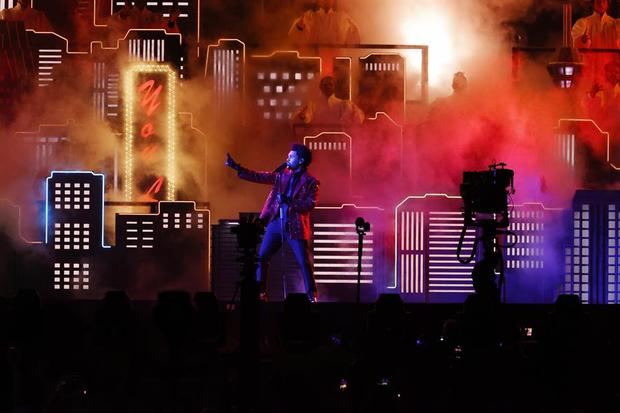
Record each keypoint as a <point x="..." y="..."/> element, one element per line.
<point x="568" y="65"/>
<point x="130" y="131"/>
<point x="434" y="28"/>
<point x="567" y="68"/>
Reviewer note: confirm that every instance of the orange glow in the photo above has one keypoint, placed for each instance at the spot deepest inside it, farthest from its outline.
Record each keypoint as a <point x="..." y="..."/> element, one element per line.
<point x="456" y="33"/>
<point x="148" y="151"/>
<point x="431" y="27"/>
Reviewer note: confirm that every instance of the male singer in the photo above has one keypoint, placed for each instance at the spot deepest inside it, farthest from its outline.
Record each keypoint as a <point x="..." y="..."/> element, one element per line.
<point x="293" y="195"/>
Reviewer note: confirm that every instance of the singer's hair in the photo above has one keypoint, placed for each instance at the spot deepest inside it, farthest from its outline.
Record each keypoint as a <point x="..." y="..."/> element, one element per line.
<point x="303" y="152"/>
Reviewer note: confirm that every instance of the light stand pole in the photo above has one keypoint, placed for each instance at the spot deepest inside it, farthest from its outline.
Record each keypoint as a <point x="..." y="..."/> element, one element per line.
<point x="361" y="227"/>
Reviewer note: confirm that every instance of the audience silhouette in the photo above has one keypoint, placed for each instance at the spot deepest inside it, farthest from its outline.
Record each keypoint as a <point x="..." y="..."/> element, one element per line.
<point x="181" y="353"/>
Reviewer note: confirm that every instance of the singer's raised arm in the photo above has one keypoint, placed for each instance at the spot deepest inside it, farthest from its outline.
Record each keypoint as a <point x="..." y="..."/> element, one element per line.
<point x="263" y="177"/>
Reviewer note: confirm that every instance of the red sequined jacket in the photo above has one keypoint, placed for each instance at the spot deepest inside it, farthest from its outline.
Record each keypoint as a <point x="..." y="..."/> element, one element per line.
<point x="304" y="198"/>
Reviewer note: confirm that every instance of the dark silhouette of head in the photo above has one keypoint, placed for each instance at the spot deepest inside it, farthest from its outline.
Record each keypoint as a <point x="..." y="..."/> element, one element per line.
<point x="116" y="305"/>
<point x="567" y="305"/>
<point x="459" y="82"/>
<point x="303" y="152"/>
<point x="327" y="86"/>
<point x="389" y="306"/>
<point x="24" y="3"/>
<point x="600" y="6"/>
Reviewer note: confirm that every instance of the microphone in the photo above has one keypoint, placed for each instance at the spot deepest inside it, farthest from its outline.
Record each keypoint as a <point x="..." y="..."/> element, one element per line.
<point x="361" y="226"/>
<point x="280" y="168"/>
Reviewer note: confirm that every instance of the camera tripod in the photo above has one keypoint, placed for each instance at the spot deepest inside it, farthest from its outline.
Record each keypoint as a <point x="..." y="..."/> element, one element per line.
<point x="485" y="207"/>
<point x="488" y="274"/>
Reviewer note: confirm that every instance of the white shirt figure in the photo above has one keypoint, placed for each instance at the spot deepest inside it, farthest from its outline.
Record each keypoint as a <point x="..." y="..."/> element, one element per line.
<point x="328" y="109"/>
<point x="331" y="111"/>
<point x="324" y="26"/>
<point x="598" y="30"/>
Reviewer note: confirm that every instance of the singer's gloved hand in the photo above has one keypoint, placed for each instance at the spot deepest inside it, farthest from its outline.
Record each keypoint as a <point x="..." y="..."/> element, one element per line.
<point x="230" y="162"/>
<point x="283" y="199"/>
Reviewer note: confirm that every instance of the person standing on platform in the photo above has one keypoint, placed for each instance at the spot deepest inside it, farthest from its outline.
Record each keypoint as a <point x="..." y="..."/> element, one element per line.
<point x="286" y="211"/>
<point x="327" y="109"/>
<point x="598" y="30"/>
<point x="325" y="25"/>
<point x="450" y="106"/>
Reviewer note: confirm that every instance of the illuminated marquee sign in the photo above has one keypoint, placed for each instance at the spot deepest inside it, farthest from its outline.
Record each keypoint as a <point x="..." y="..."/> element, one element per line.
<point x="150" y="132"/>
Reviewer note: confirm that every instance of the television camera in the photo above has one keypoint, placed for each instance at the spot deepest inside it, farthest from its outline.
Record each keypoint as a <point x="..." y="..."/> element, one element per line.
<point x="485" y="197"/>
<point x="485" y="194"/>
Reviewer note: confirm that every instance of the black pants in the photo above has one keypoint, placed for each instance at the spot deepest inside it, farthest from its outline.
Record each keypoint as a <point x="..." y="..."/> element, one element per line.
<point x="272" y="242"/>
